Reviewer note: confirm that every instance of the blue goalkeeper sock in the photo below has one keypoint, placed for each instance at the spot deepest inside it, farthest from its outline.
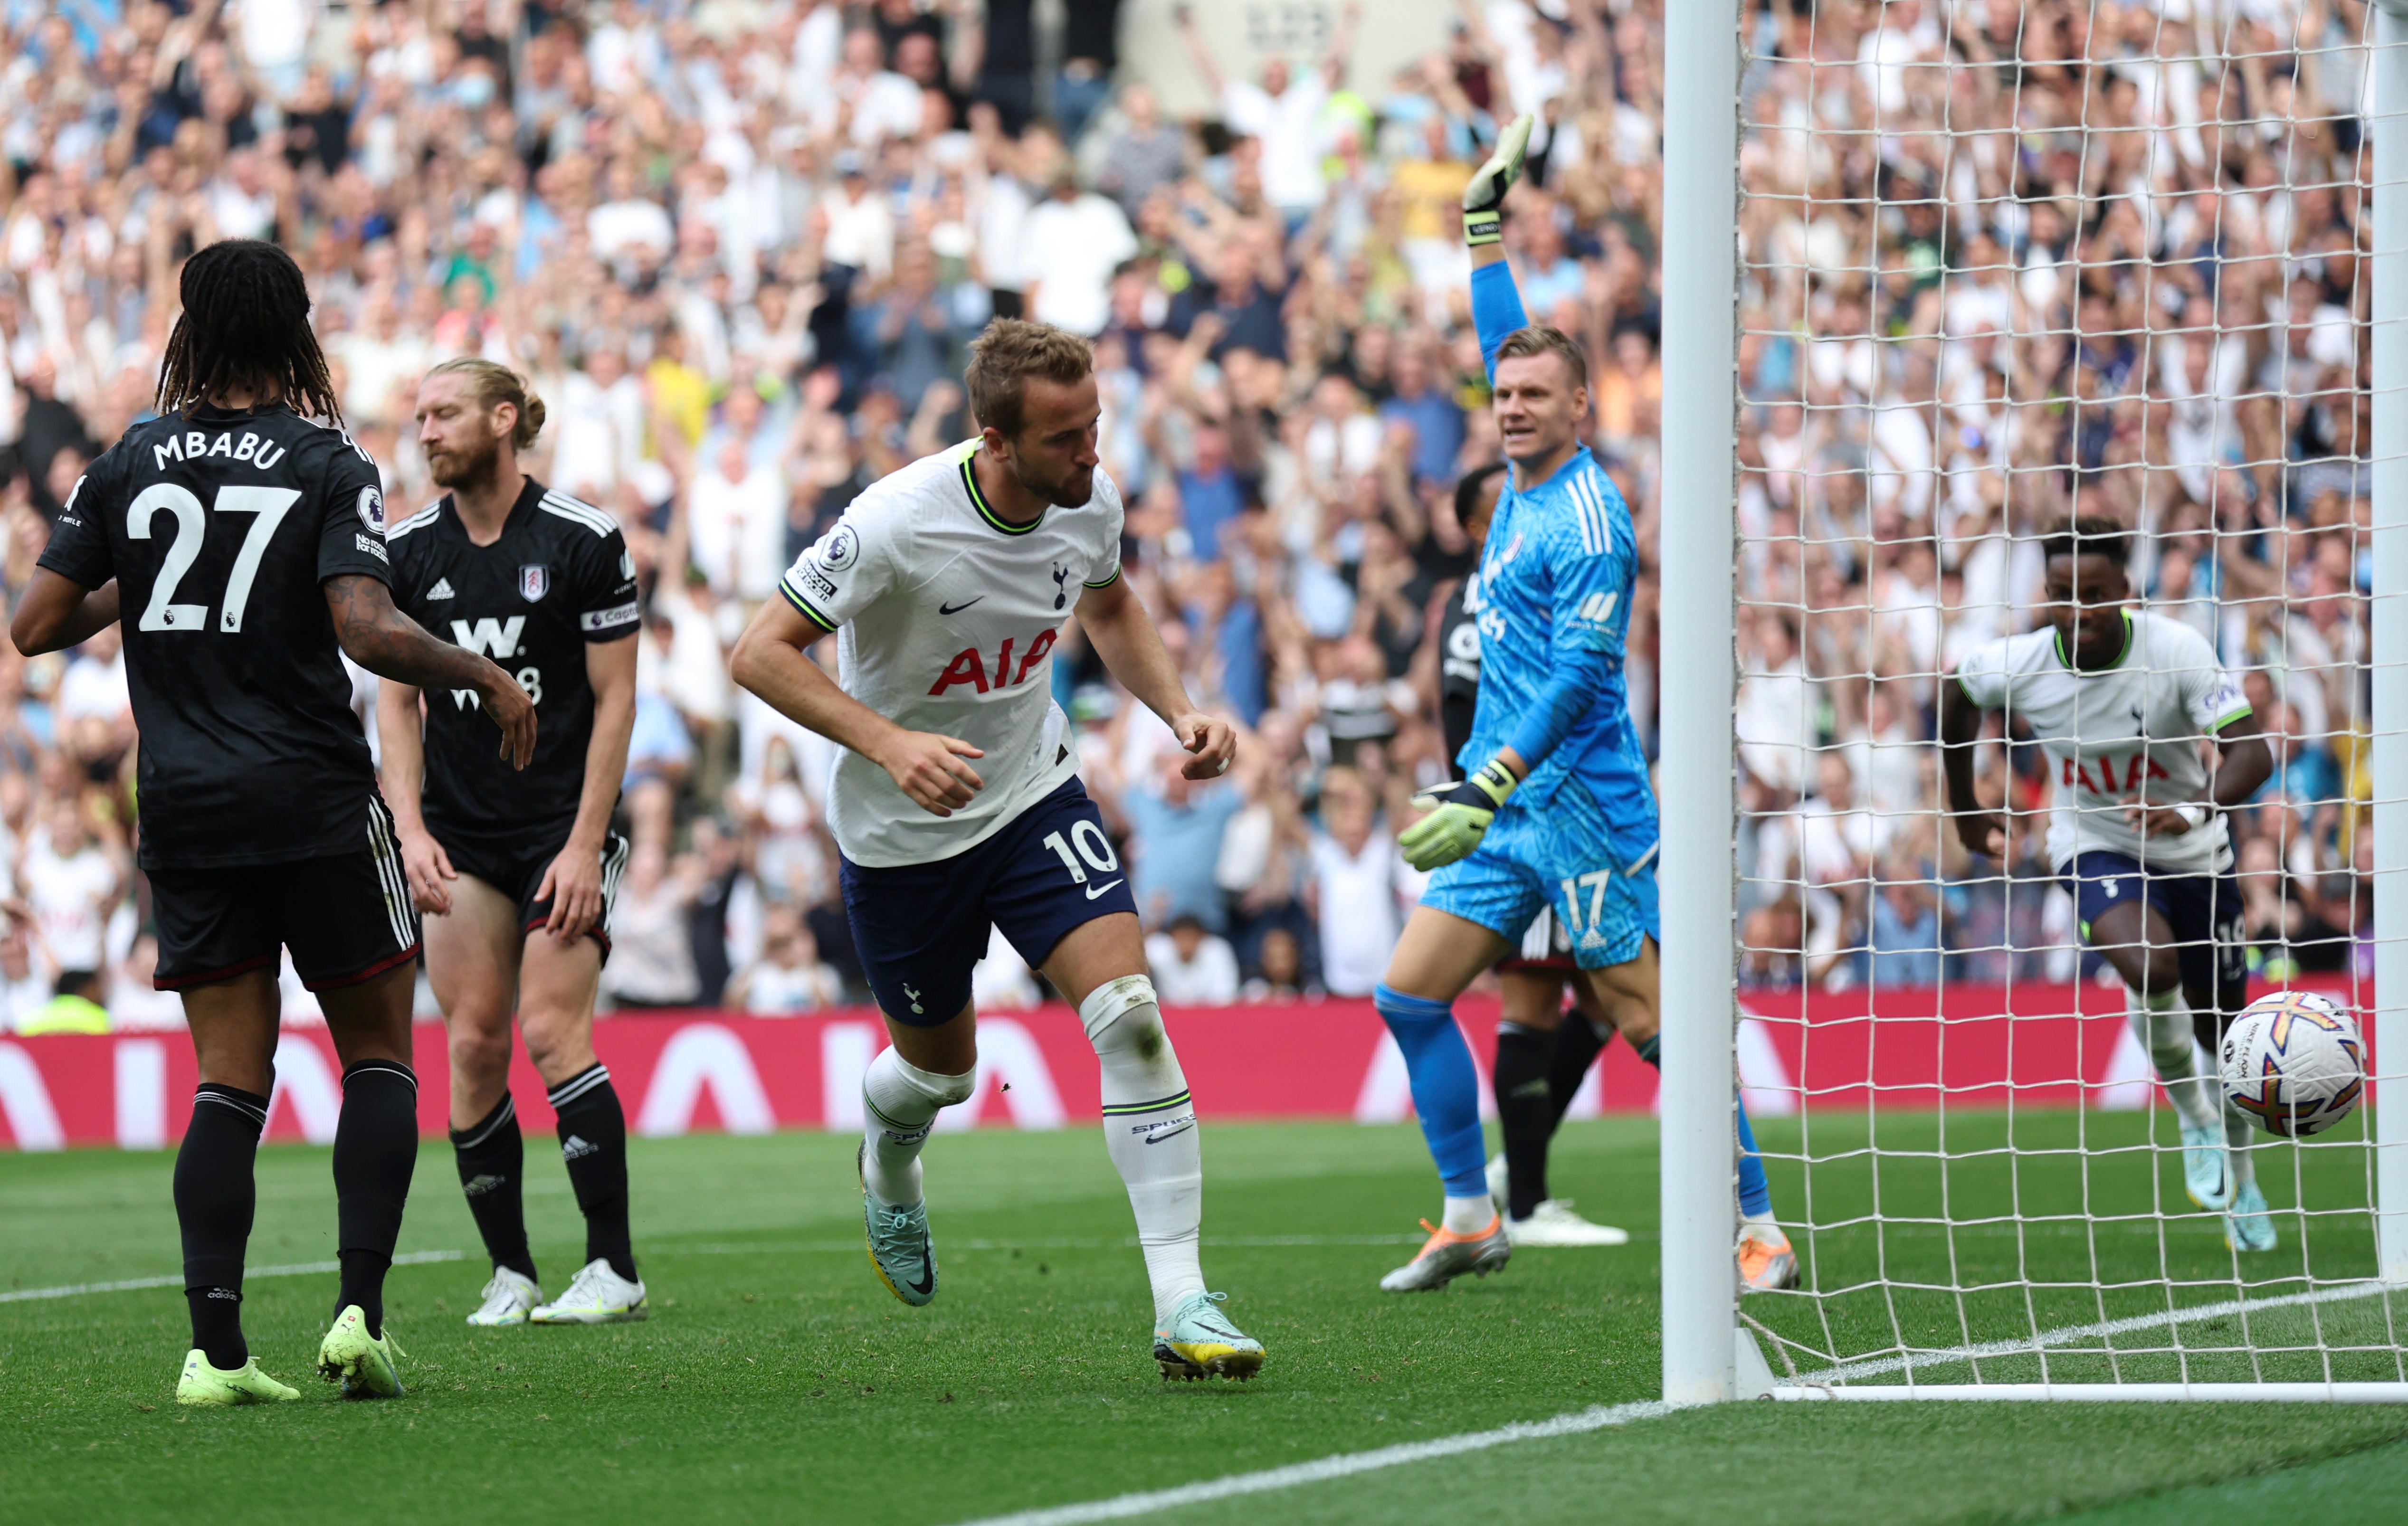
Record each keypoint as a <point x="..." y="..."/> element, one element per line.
<point x="1446" y="1089"/>
<point x="1755" y="1192"/>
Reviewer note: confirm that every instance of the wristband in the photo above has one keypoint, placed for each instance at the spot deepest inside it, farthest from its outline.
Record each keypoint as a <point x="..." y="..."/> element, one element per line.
<point x="1481" y="227"/>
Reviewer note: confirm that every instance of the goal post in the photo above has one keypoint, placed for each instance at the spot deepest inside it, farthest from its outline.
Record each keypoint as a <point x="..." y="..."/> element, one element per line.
<point x="1694" y="871"/>
<point x="1997" y="1228"/>
<point x="2389" y="616"/>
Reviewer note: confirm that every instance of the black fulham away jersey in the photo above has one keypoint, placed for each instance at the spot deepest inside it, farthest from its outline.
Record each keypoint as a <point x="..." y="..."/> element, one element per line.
<point x="220" y="528"/>
<point x="559" y="576"/>
<point x="1458" y="667"/>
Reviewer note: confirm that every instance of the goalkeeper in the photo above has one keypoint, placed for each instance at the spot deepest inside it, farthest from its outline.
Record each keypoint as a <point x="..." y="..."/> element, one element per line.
<point x="1556" y="810"/>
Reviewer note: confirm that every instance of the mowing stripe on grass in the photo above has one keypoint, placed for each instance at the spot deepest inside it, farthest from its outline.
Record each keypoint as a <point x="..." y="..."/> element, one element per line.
<point x="414" y="1258"/>
<point x="2067" y="1335"/>
<point x="1321" y="1470"/>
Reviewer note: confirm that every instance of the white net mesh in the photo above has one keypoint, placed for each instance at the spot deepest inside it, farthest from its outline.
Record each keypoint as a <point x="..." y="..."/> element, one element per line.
<point x="2003" y="265"/>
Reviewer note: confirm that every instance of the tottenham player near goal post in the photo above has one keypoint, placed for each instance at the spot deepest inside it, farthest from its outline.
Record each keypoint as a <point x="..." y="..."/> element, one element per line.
<point x="956" y="804"/>
<point x="1556" y="812"/>
<point x="245" y="544"/>
<point x="2120" y="700"/>
<point x="515" y="872"/>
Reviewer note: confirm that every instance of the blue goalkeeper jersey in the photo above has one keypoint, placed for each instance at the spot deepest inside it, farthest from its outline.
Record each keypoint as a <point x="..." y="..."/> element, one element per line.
<point x="1555" y="578"/>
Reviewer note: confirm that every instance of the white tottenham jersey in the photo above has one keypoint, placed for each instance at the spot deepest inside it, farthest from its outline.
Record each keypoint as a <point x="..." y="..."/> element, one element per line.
<point x="2118" y="735"/>
<point x="948" y="617"/>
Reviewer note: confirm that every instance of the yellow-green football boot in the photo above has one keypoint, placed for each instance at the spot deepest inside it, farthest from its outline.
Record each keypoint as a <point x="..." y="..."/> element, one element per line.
<point x="362" y="1363"/>
<point x="202" y="1384"/>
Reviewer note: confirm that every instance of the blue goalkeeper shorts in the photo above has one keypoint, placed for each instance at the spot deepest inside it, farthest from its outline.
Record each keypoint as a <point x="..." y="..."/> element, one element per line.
<point x="1558" y="856"/>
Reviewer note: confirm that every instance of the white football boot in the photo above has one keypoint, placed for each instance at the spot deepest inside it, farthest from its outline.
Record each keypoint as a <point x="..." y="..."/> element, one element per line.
<point x="598" y="1296"/>
<point x="1554" y="1225"/>
<point x="509" y="1297"/>
<point x="2205" y="1176"/>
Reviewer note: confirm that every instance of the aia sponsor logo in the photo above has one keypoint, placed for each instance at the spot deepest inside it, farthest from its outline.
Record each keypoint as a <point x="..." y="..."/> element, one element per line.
<point x="969" y="666"/>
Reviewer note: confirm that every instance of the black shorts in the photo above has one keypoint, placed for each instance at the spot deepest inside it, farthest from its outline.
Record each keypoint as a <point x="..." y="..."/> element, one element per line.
<point x="919" y="927"/>
<point x="347" y="917"/>
<point x="517" y="871"/>
<point x="2202" y="911"/>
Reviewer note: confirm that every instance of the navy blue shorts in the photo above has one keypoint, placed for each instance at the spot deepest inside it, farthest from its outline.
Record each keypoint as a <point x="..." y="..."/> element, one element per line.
<point x="2203" y="911"/>
<point x="919" y="927"/>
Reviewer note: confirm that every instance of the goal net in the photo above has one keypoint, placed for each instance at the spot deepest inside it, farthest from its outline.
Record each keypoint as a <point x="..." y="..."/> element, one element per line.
<point x="2003" y="271"/>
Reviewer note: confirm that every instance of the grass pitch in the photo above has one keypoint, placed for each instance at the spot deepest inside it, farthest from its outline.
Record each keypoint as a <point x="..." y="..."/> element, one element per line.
<point x="778" y="1381"/>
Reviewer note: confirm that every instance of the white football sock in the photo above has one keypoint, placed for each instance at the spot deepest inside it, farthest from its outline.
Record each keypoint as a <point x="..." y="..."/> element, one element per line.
<point x="900" y="1103"/>
<point x="1470" y="1215"/>
<point x="2162" y="1023"/>
<point x="1150" y="1128"/>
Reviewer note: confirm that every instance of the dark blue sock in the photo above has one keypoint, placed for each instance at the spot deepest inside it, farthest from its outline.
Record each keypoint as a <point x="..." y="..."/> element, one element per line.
<point x="1446" y="1088"/>
<point x="1755" y="1192"/>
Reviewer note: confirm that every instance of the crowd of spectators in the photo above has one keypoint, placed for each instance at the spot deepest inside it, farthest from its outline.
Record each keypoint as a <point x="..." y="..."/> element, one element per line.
<point x="1999" y="261"/>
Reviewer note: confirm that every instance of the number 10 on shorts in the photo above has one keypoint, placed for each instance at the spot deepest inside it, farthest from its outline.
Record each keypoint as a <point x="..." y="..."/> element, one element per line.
<point x="1094" y="846"/>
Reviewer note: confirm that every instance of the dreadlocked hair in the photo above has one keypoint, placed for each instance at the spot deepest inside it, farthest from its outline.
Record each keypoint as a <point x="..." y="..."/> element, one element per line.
<point x="245" y="327"/>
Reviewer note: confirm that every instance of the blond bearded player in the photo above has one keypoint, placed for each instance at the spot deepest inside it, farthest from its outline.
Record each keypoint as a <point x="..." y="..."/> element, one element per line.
<point x="515" y="872"/>
<point x="957" y="807"/>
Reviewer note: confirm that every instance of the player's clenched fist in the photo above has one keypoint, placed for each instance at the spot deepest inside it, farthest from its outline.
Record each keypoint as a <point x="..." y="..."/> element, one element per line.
<point x="1212" y="741"/>
<point x="929" y="768"/>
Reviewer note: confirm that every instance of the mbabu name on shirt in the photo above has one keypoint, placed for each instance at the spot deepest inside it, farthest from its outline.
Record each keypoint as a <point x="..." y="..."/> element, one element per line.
<point x="968" y="665"/>
<point x="251" y="449"/>
<point x="499" y="640"/>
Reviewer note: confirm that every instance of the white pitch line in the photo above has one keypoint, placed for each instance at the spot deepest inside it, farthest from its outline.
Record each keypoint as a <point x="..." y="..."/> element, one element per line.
<point x="1321" y="1470"/>
<point x="414" y="1258"/>
<point x="740" y="1248"/>
<point x="2067" y="1335"/>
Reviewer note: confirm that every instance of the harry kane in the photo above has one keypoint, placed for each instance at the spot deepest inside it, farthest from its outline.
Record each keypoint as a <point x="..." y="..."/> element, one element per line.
<point x="956" y="805"/>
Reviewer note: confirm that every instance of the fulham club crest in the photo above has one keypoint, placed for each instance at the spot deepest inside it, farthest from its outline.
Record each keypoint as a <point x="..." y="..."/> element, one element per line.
<point x="535" y="581"/>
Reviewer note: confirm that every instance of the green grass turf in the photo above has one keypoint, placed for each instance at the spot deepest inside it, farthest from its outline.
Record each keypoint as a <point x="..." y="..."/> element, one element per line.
<point x="779" y="1381"/>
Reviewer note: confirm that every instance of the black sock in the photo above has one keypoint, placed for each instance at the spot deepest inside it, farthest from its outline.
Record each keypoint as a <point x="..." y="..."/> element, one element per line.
<point x="215" y="1197"/>
<point x="594" y="1146"/>
<point x="376" y="1151"/>
<point x="1524" y="1113"/>
<point x="1577" y="1046"/>
<point x="492" y="1156"/>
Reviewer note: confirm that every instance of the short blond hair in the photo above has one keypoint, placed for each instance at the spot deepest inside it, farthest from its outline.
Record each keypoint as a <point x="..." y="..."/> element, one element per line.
<point x="1546" y="339"/>
<point x="492" y="385"/>
<point x="1011" y="352"/>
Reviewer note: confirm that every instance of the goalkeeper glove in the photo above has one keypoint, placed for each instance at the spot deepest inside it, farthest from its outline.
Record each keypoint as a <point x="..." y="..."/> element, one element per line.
<point x="1458" y="817"/>
<point x="1491" y="180"/>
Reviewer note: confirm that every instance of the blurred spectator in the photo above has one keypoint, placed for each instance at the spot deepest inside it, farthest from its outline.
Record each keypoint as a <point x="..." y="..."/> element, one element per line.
<point x="1356" y="878"/>
<point x="788" y="978"/>
<point x="651" y="948"/>
<point x="1192" y="966"/>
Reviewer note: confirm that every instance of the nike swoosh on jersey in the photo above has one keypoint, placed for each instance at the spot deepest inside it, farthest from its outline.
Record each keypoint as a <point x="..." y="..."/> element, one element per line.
<point x="957" y="608"/>
<point x="1102" y="889"/>
<point x="1158" y="1138"/>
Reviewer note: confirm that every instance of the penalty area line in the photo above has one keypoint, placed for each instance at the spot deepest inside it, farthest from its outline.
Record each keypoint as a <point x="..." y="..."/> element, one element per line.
<point x="20" y="1295"/>
<point x="1322" y="1470"/>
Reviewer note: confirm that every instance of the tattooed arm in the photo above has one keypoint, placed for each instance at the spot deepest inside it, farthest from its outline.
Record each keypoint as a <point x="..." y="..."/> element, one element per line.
<point x="391" y="645"/>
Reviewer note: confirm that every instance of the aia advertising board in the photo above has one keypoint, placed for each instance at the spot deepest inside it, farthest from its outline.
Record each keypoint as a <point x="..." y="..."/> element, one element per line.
<point x="678" y="1073"/>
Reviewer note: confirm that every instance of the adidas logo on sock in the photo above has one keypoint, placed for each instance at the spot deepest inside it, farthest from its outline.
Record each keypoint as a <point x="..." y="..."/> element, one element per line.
<point x="478" y="1186"/>
<point x="574" y="1147"/>
<point x="442" y="589"/>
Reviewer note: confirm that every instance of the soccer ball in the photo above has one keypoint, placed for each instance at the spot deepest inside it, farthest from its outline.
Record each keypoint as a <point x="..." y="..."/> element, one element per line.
<point x="2294" y="1062"/>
